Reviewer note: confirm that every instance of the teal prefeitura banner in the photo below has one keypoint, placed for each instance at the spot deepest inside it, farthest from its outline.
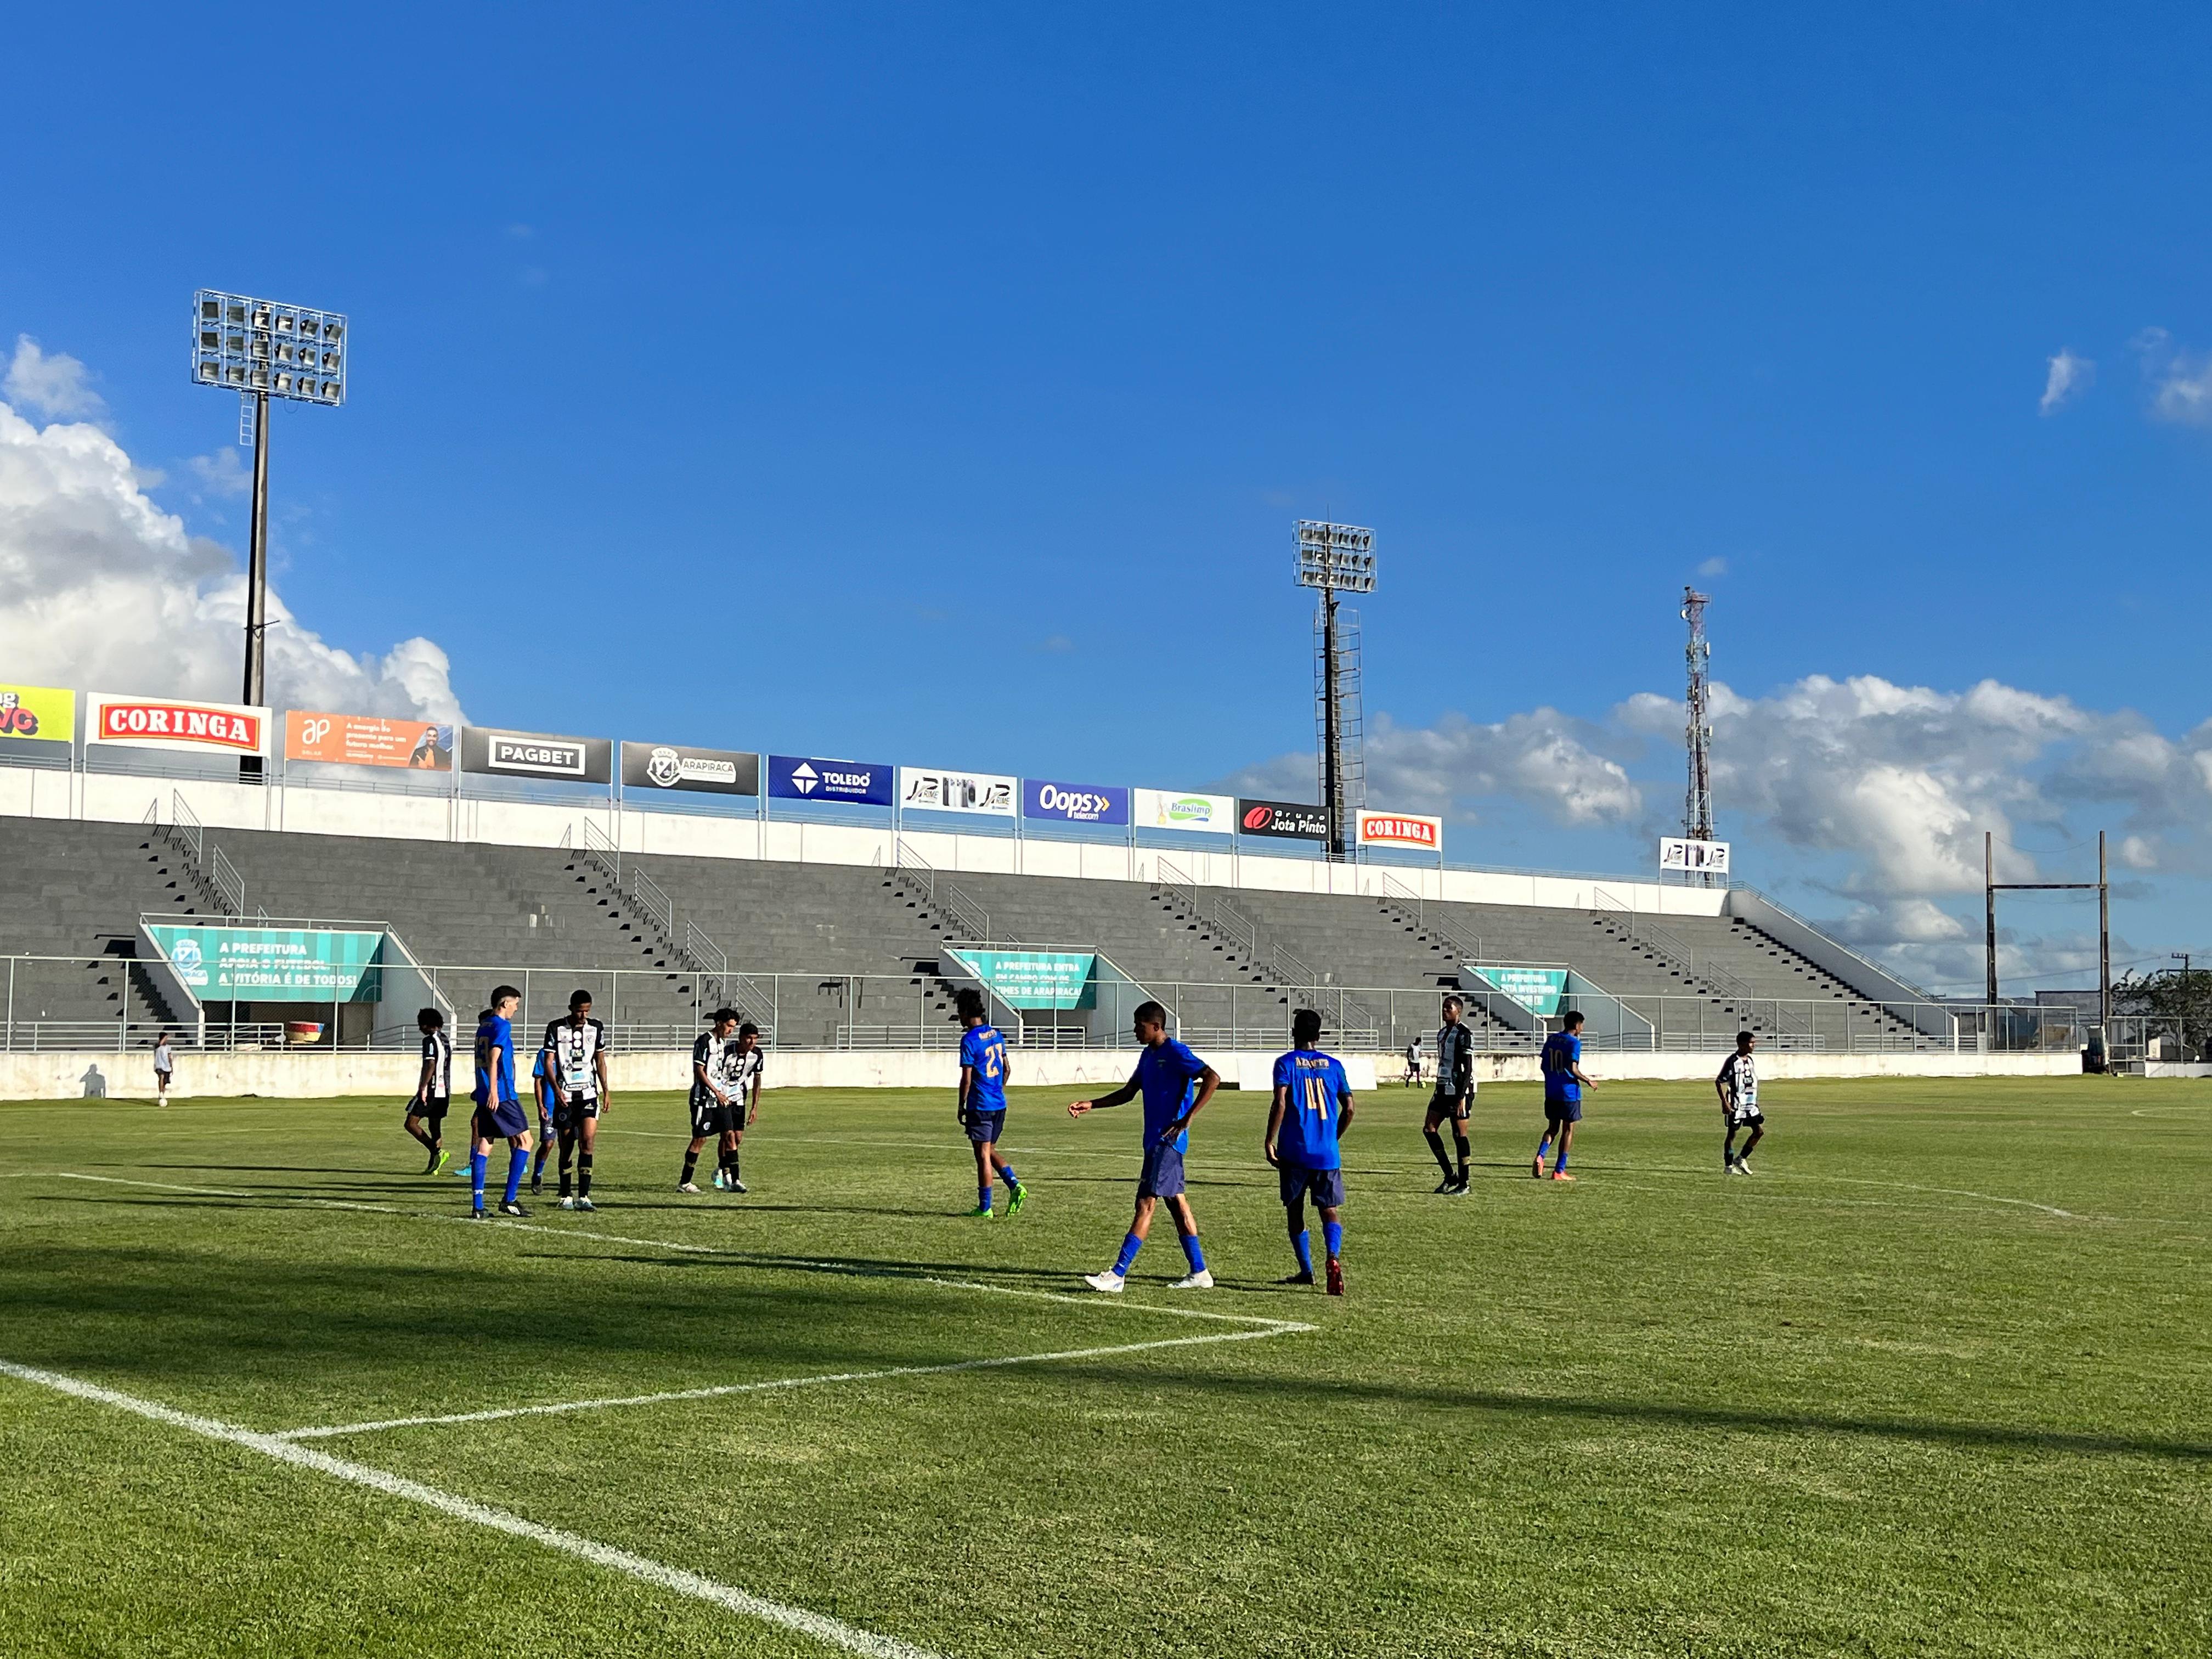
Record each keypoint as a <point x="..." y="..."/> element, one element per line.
<point x="1537" y="989"/>
<point x="273" y="964"/>
<point x="1032" y="979"/>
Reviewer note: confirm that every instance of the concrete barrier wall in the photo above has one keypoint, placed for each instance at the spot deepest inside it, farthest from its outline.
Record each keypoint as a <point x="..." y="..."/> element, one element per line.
<point x="298" y="1076"/>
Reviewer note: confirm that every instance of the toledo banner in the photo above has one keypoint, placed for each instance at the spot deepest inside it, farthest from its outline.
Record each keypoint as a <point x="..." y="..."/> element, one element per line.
<point x="37" y="714"/>
<point x="649" y="766"/>
<point x="532" y="755"/>
<point x="229" y="728"/>
<point x="367" y="740"/>
<point x="809" y="777"/>
<point x="1401" y="830"/>
<point x="1075" y="802"/>
<point x="956" y="791"/>
<point x="1032" y="979"/>
<point x="1537" y="989"/>
<point x="273" y="964"/>
<point x="1164" y="809"/>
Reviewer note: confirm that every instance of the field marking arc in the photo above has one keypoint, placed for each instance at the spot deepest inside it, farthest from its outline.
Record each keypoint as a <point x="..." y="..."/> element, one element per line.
<point x="833" y="1632"/>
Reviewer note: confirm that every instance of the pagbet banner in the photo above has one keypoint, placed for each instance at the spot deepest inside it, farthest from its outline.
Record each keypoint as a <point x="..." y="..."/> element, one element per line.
<point x="1401" y="830"/>
<point x="1032" y="979"/>
<point x="1074" y="803"/>
<point x="647" y="766"/>
<point x="367" y="740"/>
<point x="1164" y="809"/>
<point x="273" y="964"/>
<point x="229" y="728"/>
<point x="933" y="791"/>
<point x="37" y="714"/>
<point x="1537" y="989"/>
<point x="533" y="754"/>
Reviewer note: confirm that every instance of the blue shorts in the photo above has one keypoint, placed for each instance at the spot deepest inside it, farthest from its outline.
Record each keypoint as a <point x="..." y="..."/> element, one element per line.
<point x="984" y="1128"/>
<point x="1563" y="1111"/>
<point x="502" y="1122"/>
<point x="1162" y="1172"/>
<point x="1324" y="1186"/>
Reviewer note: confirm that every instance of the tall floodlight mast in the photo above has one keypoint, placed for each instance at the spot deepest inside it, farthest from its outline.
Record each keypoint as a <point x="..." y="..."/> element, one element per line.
<point x="1337" y="558"/>
<point x="1697" y="801"/>
<point x="261" y="350"/>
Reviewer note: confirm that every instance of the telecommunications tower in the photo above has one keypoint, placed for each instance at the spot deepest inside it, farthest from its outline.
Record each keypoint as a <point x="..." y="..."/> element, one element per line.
<point x="1697" y="801"/>
<point x="1337" y="558"/>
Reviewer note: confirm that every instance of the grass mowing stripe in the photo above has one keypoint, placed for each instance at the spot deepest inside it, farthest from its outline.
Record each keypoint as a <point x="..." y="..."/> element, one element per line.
<point x="784" y="1382"/>
<point x="833" y="1632"/>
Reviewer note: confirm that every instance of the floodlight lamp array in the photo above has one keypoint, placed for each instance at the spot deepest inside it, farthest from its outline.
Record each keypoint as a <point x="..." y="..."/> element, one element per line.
<point x="258" y="345"/>
<point x="1336" y="555"/>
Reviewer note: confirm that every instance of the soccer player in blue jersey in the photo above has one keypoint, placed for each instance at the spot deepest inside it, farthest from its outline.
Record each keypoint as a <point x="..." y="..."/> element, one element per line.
<point x="1563" y="1083"/>
<point x="984" y="1103"/>
<point x="541" y="1090"/>
<point x="1175" y="1084"/>
<point x="499" y="1114"/>
<point x="1312" y="1110"/>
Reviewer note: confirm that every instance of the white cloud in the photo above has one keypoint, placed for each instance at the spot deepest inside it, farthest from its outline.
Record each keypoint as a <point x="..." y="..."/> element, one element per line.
<point x="99" y="587"/>
<point x="53" y="385"/>
<point x="2067" y="374"/>
<point x="2181" y="381"/>
<point x="1713" y="567"/>
<point x="221" y="473"/>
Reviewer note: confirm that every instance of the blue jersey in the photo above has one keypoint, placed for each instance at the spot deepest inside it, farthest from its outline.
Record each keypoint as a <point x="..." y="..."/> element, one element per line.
<point x="983" y="1051"/>
<point x="1562" y="1049"/>
<point x="1307" y="1140"/>
<point x="1169" y="1076"/>
<point x="498" y="1084"/>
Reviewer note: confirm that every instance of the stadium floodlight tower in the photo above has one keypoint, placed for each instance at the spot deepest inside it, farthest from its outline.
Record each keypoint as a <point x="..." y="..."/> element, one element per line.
<point x="1697" y="801"/>
<point x="1337" y="558"/>
<point x="261" y="350"/>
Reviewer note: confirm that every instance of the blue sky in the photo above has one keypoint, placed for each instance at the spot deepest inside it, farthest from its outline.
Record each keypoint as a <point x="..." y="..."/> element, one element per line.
<point x="940" y="383"/>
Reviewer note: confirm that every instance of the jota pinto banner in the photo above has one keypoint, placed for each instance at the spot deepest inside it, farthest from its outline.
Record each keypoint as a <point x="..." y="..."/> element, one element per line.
<point x="367" y="740"/>
<point x="37" y="714"/>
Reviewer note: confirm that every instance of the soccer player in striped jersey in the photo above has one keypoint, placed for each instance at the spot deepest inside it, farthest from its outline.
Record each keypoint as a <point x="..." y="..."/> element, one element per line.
<point x="1455" y="1095"/>
<point x="982" y="1102"/>
<point x="710" y="1096"/>
<point x="1312" y="1110"/>
<point x="1738" y="1088"/>
<point x="575" y="1059"/>
<point x="434" y="1090"/>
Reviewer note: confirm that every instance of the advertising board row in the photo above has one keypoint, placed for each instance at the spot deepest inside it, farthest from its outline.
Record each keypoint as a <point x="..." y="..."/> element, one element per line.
<point x="44" y="714"/>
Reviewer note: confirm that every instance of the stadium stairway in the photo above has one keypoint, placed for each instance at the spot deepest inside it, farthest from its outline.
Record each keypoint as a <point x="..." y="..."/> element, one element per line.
<point x="78" y="891"/>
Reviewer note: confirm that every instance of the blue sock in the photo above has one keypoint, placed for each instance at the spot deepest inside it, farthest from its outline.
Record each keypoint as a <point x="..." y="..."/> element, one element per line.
<point x="1331" y="1234"/>
<point x="1302" y="1241"/>
<point x="1562" y="1163"/>
<point x="1007" y="1171"/>
<point x="477" y="1162"/>
<point x="1130" y="1246"/>
<point x="1543" y="1146"/>
<point x="1192" y="1254"/>
<point x="517" y="1162"/>
<point x="983" y="1196"/>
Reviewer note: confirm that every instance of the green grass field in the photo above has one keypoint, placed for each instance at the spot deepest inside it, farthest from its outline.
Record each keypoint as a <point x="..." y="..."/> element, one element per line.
<point x="1935" y="1381"/>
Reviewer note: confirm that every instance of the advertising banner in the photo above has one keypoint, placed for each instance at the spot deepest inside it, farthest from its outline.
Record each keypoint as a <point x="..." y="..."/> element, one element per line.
<point x="855" y="783"/>
<point x="1289" y="819"/>
<point x="1032" y="979"/>
<point x="1708" y="857"/>
<point x="1401" y="830"/>
<point x="533" y="754"/>
<point x="367" y="740"/>
<point x="650" y="766"/>
<point x="933" y="791"/>
<point x="272" y="965"/>
<point x="1164" y="809"/>
<point x="197" y="728"/>
<point x="37" y="714"/>
<point x="1537" y="989"/>
<point x="1075" y="802"/>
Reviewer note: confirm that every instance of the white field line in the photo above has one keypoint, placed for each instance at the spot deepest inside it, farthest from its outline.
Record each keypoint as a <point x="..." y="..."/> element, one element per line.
<point x="1864" y="1180"/>
<point x="822" y="1628"/>
<point x="781" y="1382"/>
<point x="165" y="1186"/>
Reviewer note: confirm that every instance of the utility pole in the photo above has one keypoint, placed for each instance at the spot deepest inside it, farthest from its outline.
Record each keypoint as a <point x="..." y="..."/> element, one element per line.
<point x="1336" y="557"/>
<point x="1697" y="799"/>
<point x="1991" y="887"/>
<point x="2104" y="953"/>
<point x="2181" y="1007"/>
<point x="1989" y="909"/>
<point x="256" y="579"/>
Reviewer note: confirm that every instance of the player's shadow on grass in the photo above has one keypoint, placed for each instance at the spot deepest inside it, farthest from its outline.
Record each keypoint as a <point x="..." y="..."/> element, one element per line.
<point x="1927" y="1431"/>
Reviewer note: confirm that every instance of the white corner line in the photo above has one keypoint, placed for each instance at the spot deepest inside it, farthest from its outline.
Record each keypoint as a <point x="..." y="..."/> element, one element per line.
<point x="162" y="1186"/>
<point x="714" y="1393"/>
<point x="832" y="1632"/>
